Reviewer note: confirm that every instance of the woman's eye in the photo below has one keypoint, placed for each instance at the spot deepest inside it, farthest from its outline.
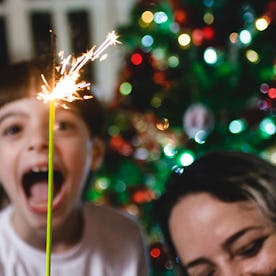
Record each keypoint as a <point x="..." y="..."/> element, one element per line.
<point x="208" y="273"/>
<point x="12" y="130"/>
<point x="204" y="272"/>
<point x="252" y="249"/>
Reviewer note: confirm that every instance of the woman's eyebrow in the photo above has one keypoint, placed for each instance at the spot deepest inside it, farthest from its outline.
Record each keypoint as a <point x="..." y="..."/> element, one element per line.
<point x="198" y="261"/>
<point x="229" y="241"/>
<point x="226" y="244"/>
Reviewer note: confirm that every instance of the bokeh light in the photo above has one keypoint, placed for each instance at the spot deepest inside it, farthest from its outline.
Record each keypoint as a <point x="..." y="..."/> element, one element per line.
<point x="262" y="23"/>
<point x="184" y="39"/>
<point x="147" y="41"/>
<point x="237" y="126"/>
<point x="147" y="17"/>
<point x="210" y="55"/>
<point x="267" y="127"/>
<point x="272" y="93"/>
<point x="125" y="88"/>
<point x="245" y="37"/>
<point x="160" y="17"/>
<point x="252" y="56"/>
<point x="173" y="61"/>
<point x="136" y="58"/>
<point x="186" y="158"/>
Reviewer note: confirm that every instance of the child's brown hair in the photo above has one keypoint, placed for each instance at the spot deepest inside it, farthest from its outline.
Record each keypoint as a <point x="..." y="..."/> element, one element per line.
<point x="24" y="79"/>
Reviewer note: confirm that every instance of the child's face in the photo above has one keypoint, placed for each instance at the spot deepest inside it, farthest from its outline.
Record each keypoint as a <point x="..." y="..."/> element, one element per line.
<point x="24" y="161"/>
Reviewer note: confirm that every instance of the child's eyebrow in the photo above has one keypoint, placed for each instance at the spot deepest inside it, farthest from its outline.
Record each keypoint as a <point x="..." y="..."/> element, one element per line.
<point x="9" y="114"/>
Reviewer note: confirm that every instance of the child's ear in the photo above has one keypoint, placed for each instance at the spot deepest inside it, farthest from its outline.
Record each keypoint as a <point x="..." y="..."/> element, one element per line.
<point x="98" y="152"/>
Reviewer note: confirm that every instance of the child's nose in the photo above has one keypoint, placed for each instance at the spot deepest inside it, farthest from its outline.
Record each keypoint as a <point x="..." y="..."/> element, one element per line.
<point x="38" y="140"/>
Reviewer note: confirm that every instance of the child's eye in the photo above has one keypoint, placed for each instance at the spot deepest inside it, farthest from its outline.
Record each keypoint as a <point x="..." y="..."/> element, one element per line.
<point x="64" y="125"/>
<point x="12" y="130"/>
<point x="252" y="249"/>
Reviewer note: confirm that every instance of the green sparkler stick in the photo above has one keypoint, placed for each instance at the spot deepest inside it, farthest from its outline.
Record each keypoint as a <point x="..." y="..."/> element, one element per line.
<point x="50" y="186"/>
<point x="50" y="162"/>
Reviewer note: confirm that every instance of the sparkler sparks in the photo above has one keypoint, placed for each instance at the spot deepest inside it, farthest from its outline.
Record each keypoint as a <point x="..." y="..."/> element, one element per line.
<point x="68" y="85"/>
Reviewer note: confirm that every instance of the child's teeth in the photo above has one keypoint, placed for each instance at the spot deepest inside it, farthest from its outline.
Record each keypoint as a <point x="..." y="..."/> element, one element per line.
<point x="39" y="169"/>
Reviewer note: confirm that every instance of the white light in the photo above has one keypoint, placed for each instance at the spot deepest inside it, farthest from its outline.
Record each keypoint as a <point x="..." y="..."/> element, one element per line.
<point x="160" y="17"/>
<point x="210" y="55"/>
<point x="200" y="136"/>
<point x="186" y="159"/>
<point x="245" y="37"/>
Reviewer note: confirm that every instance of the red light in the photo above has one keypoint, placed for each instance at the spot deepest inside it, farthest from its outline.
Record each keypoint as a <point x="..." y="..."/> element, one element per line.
<point x="272" y="93"/>
<point x="197" y="36"/>
<point x="180" y="16"/>
<point x="136" y="59"/>
<point x="208" y="33"/>
<point x="155" y="252"/>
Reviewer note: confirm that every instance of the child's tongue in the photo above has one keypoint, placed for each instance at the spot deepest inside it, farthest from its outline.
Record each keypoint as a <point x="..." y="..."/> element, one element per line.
<point x="39" y="192"/>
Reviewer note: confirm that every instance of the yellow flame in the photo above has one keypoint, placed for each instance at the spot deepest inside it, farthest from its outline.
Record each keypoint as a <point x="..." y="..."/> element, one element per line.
<point x="67" y="87"/>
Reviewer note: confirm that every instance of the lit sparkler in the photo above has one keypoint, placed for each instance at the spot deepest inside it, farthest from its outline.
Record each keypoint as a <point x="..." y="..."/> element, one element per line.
<point x="66" y="88"/>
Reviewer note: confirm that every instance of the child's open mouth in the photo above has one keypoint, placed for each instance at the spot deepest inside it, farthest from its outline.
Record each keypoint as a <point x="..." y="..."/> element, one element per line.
<point x="35" y="184"/>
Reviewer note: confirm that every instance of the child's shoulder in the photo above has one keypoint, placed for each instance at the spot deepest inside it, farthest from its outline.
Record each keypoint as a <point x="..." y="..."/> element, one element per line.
<point x="5" y="213"/>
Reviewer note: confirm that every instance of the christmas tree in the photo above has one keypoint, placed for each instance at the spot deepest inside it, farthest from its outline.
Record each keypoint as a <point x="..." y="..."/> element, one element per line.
<point x="198" y="76"/>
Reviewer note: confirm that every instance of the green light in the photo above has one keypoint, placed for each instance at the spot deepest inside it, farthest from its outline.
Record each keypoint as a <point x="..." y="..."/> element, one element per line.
<point x="102" y="183"/>
<point x="267" y="127"/>
<point x="173" y="61"/>
<point x="237" y="126"/>
<point x="170" y="151"/>
<point x="125" y="88"/>
<point x="113" y="130"/>
<point x="156" y="102"/>
<point x="186" y="158"/>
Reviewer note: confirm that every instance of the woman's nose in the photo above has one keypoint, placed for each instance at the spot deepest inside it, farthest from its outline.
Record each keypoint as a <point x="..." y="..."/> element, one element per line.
<point x="229" y="268"/>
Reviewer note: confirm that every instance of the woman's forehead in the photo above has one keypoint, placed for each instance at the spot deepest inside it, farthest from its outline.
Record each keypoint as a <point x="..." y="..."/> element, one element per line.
<point x="197" y="216"/>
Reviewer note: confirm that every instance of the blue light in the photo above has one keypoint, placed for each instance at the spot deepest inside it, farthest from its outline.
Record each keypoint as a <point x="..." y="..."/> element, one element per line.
<point x="147" y="40"/>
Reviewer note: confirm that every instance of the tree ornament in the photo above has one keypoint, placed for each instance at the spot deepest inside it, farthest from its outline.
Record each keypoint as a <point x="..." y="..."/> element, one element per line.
<point x="198" y="118"/>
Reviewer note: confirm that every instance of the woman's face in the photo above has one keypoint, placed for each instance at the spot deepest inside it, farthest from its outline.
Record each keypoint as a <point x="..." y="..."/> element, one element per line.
<point x="213" y="237"/>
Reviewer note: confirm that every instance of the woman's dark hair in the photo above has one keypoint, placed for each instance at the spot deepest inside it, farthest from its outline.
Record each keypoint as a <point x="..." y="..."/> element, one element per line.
<point x="228" y="176"/>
